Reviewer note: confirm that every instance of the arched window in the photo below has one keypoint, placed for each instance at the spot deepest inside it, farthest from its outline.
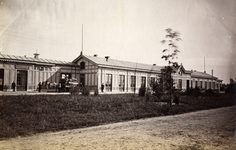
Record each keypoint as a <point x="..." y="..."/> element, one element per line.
<point x="82" y="65"/>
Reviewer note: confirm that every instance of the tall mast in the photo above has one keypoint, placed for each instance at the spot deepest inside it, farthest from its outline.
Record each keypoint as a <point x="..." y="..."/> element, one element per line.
<point x="204" y="66"/>
<point x="82" y="41"/>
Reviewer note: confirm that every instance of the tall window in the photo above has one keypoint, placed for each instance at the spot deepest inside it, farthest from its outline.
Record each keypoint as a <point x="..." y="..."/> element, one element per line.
<point x="121" y="83"/>
<point x="209" y="85"/>
<point x="143" y="82"/>
<point x="108" y="82"/>
<point x="180" y="84"/>
<point x="152" y="81"/>
<point x="196" y="84"/>
<point x="205" y="85"/>
<point x="133" y="82"/>
<point x="82" y="65"/>
<point x="201" y="84"/>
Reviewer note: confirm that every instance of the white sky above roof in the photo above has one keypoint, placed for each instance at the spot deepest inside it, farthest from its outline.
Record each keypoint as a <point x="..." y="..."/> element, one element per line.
<point x="129" y="30"/>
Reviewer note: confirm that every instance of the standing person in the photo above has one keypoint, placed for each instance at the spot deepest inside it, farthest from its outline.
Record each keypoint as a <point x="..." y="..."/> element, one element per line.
<point x="13" y="85"/>
<point x="40" y="86"/>
<point x="102" y="87"/>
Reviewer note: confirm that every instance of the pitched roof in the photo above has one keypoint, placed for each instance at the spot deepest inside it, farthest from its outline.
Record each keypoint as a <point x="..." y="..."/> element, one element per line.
<point x="112" y="63"/>
<point x="30" y="60"/>
<point x="120" y="64"/>
<point x="198" y="74"/>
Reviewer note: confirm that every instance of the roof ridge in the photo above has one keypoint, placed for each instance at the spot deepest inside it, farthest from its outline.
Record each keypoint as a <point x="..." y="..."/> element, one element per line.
<point x="122" y="60"/>
<point x="14" y="57"/>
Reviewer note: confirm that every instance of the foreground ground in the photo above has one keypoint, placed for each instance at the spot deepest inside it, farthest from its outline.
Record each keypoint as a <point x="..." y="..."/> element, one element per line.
<point x="208" y="129"/>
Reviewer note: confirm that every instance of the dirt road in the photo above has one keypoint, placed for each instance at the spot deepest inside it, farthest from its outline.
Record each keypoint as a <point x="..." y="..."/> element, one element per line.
<point x="209" y="129"/>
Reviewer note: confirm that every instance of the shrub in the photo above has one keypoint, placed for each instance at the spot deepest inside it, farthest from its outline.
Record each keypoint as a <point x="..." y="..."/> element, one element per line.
<point x="176" y="99"/>
<point x="165" y="98"/>
<point x="85" y="91"/>
<point x="96" y="92"/>
<point x="209" y="92"/>
<point x="193" y="92"/>
<point x="74" y="90"/>
<point x="141" y="91"/>
<point x="165" y="109"/>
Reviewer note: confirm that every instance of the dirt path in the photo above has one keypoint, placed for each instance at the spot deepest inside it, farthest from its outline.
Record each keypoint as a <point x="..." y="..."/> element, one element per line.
<point x="209" y="129"/>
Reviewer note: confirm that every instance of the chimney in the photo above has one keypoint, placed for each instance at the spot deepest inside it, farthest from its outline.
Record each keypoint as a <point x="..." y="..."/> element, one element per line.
<point x="36" y="55"/>
<point x="107" y="57"/>
<point x="204" y="71"/>
<point x="95" y="55"/>
<point x="154" y="64"/>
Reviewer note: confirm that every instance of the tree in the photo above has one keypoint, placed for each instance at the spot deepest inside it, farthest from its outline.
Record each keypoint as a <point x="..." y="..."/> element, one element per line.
<point x="231" y="87"/>
<point x="165" y="83"/>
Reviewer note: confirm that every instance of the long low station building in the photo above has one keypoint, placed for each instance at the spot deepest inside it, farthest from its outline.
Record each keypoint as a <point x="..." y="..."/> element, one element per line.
<point x="93" y="71"/>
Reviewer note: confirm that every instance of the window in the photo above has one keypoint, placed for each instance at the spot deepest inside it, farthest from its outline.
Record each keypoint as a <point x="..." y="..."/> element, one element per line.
<point x="108" y="82"/>
<point x="41" y="68"/>
<point x="205" y="84"/>
<point x="196" y="84"/>
<point x="82" y="65"/>
<point x="143" y="82"/>
<point x="180" y="83"/>
<point x="180" y="73"/>
<point x="121" y="83"/>
<point x="152" y="81"/>
<point x="133" y="82"/>
<point x="201" y="84"/>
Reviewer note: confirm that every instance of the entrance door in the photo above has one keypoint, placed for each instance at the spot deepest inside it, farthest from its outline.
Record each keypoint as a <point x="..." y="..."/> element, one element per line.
<point x="21" y="80"/>
<point x="187" y="84"/>
<point x="82" y="79"/>
<point x="1" y="79"/>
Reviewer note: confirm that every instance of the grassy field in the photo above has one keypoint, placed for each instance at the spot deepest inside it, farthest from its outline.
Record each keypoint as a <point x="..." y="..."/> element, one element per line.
<point x="26" y="115"/>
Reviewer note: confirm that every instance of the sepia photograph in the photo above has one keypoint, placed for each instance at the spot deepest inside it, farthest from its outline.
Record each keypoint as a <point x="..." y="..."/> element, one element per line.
<point x="118" y="74"/>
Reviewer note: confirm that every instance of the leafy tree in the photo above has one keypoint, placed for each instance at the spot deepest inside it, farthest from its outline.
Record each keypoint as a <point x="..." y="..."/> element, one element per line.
<point x="165" y="82"/>
<point x="231" y="88"/>
<point x="172" y="51"/>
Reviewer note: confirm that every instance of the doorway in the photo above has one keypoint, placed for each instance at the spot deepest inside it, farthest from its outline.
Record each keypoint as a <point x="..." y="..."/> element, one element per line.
<point x="187" y="84"/>
<point x="82" y="79"/>
<point x="21" y="80"/>
<point x="1" y="79"/>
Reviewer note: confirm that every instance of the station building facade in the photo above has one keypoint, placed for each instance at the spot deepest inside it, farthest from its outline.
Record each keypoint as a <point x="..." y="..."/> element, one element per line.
<point x="93" y="71"/>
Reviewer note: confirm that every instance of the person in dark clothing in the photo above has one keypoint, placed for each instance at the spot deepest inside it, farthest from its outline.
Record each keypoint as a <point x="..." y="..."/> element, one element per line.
<point x="13" y="85"/>
<point x="102" y="87"/>
<point x="40" y="86"/>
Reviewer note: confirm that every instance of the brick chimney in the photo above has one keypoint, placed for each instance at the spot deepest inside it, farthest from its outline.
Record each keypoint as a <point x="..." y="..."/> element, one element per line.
<point x="107" y="57"/>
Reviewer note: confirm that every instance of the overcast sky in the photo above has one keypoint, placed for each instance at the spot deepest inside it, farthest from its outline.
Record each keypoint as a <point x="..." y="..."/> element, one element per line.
<point x="129" y="30"/>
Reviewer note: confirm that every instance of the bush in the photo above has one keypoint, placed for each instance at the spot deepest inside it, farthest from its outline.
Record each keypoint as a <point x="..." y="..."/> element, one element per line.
<point x="148" y="95"/>
<point x="176" y="99"/>
<point x="209" y="92"/>
<point x="142" y="91"/>
<point x="85" y="91"/>
<point x="193" y="92"/>
<point x="96" y="92"/>
<point x="165" y="109"/>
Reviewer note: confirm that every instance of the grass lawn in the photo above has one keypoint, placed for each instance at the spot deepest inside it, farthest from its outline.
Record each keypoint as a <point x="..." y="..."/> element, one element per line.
<point x="30" y="114"/>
